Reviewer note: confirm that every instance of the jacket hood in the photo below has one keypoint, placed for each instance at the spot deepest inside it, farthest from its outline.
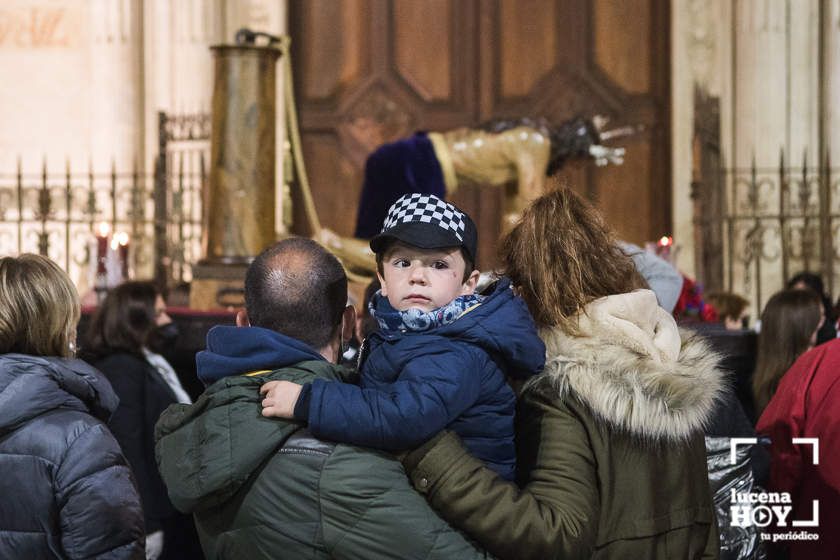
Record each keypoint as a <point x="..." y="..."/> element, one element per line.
<point x="207" y="450"/>
<point x="502" y="325"/>
<point x="33" y="385"/>
<point x="238" y="350"/>
<point x="634" y="369"/>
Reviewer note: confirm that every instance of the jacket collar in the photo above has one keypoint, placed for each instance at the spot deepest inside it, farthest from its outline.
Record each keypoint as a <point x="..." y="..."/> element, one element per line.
<point x="238" y="350"/>
<point x="633" y="368"/>
<point x="32" y="385"/>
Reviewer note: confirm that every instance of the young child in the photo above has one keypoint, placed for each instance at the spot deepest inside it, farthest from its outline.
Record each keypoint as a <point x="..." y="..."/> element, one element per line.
<point x="442" y="352"/>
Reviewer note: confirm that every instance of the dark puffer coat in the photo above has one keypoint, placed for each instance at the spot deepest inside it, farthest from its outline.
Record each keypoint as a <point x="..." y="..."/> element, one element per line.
<point x="413" y="385"/>
<point x="66" y="489"/>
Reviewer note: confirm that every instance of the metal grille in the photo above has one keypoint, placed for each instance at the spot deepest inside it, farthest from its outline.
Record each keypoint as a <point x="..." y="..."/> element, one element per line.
<point x="775" y="223"/>
<point x="180" y="177"/>
<point x="56" y="212"/>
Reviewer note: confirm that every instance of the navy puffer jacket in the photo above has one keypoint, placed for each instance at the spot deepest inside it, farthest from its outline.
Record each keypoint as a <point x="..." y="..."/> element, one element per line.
<point x="67" y="491"/>
<point x="414" y="385"/>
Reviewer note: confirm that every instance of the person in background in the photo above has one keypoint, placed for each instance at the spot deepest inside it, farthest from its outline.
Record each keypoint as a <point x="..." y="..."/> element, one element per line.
<point x="747" y="472"/>
<point x="66" y="491"/>
<point x="732" y="309"/>
<point x="365" y="322"/>
<point x="807" y="405"/>
<point x="789" y="325"/>
<point x="663" y="279"/>
<point x="802" y="280"/>
<point x="117" y="343"/>
<point x="611" y="458"/>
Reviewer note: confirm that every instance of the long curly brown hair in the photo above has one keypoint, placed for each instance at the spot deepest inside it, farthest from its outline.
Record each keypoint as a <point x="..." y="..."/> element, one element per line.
<point x="562" y="256"/>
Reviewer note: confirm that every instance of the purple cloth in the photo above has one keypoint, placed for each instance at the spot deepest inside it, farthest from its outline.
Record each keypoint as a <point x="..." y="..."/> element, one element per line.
<point x="402" y="167"/>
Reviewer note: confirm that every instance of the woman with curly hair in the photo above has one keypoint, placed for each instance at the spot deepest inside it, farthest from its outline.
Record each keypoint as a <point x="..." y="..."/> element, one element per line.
<point x="610" y="443"/>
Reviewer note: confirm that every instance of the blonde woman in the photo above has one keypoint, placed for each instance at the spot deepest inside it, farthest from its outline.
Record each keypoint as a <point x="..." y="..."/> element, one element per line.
<point x="610" y="444"/>
<point x="66" y="489"/>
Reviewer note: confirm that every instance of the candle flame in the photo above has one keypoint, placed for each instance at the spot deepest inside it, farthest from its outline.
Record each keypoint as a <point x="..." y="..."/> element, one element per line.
<point x="103" y="229"/>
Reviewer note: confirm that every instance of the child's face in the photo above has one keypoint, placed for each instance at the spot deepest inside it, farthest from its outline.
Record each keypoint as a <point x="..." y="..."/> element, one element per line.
<point x="424" y="278"/>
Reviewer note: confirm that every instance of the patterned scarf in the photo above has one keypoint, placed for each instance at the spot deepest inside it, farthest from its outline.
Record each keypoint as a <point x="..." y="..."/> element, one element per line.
<point x="417" y="320"/>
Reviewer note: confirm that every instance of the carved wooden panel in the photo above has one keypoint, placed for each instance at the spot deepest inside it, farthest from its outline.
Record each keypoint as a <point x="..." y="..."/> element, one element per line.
<point x="333" y="54"/>
<point x="622" y="29"/>
<point x="430" y="77"/>
<point x="527" y="49"/>
<point x="371" y="71"/>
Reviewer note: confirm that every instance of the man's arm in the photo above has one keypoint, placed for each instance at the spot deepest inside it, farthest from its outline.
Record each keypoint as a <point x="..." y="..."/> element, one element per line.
<point x="396" y="521"/>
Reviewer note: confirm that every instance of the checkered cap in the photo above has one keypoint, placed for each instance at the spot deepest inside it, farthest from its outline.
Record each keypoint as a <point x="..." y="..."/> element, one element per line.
<point x="426" y="221"/>
<point x="426" y="208"/>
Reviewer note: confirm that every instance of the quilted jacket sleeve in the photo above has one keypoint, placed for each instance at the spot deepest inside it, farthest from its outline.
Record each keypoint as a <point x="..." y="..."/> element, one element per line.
<point x="100" y="512"/>
<point x="552" y="517"/>
<point x="382" y="516"/>
<point x="429" y="394"/>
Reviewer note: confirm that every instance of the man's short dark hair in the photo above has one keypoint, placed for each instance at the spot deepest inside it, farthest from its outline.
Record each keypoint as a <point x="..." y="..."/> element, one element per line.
<point x="297" y="288"/>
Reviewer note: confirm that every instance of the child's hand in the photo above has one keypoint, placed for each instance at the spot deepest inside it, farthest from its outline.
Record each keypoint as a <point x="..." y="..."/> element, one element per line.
<point x="280" y="398"/>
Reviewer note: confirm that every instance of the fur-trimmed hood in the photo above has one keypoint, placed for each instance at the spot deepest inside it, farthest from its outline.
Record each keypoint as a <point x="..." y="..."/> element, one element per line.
<point x="634" y="368"/>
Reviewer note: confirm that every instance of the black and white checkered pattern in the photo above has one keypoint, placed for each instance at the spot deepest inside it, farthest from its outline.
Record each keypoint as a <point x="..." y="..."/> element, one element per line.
<point x="428" y="209"/>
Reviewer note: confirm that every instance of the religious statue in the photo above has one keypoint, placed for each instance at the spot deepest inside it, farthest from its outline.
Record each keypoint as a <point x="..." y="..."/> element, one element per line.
<point x="521" y="152"/>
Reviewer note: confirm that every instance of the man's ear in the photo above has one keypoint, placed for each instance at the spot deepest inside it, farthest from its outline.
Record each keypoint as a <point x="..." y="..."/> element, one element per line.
<point x="469" y="286"/>
<point x="348" y="323"/>
<point x="242" y="319"/>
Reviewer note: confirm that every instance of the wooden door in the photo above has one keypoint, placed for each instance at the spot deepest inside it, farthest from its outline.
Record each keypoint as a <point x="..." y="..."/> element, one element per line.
<point x="371" y="71"/>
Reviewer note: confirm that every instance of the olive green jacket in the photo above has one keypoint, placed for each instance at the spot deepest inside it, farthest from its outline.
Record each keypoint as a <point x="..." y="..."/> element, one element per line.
<point x="610" y="447"/>
<point x="265" y="488"/>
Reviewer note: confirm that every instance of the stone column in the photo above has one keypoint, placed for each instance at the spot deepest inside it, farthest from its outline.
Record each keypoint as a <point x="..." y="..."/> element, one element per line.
<point x="178" y="65"/>
<point x="831" y="80"/>
<point x="774" y="105"/>
<point x="700" y="59"/>
<point x="116" y="121"/>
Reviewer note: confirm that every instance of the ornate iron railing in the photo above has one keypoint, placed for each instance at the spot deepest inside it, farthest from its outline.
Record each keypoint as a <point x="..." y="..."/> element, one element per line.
<point x="56" y="212"/>
<point x="773" y="223"/>
<point x="180" y="180"/>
